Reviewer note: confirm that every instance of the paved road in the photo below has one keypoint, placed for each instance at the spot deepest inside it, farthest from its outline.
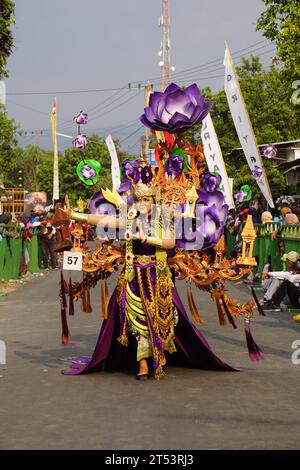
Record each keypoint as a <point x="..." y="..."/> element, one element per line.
<point x="258" y="408"/>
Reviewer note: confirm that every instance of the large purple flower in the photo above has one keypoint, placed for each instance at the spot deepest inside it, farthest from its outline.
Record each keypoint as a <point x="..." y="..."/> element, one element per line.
<point x="174" y="165"/>
<point x="175" y="109"/>
<point x="269" y="151"/>
<point x="208" y="226"/>
<point x="81" y="118"/>
<point x="80" y="142"/>
<point x="210" y="181"/>
<point x="130" y="171"/>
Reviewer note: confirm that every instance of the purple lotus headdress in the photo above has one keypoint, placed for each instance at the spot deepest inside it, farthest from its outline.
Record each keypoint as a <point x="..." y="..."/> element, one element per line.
<point x="176" y="109"/>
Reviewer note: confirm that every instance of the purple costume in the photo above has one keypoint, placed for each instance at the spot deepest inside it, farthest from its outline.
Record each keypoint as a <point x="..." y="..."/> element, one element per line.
<point x="192" y="350"/>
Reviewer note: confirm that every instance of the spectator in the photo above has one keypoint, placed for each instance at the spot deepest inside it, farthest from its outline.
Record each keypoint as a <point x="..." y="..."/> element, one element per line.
<point x="287" y="285"/>
<point x="266" y="217"/>
<point x="46" y="236"/>
<point x="291" y="219"/>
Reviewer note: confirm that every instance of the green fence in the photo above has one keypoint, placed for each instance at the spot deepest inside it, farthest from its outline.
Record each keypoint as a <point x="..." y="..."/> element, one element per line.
<point x="266" y="244"/>
<point x="11" y="251"/>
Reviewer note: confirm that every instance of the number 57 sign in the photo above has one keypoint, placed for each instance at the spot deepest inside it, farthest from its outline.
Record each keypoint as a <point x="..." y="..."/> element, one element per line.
<point x="72" y="261"/>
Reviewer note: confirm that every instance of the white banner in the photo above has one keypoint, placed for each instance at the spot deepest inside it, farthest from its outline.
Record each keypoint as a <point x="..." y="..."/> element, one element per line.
<point x="55" y="152"/>
<point x="2" y="93"/>
<point x="244" y="128"/>
<point x="214" y="158"/>
<point x="115" y="166"/>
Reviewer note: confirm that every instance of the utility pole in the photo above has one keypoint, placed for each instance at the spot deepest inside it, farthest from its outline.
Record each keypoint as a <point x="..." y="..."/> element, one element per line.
<point x="37" y="135"/>
<point x="148" y="91"/>
<point x="144" y="139"/>
<point x="165" y="45"/>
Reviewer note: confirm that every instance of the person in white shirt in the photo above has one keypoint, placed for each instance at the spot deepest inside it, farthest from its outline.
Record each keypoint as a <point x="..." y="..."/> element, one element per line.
<point x="289" y="284"/>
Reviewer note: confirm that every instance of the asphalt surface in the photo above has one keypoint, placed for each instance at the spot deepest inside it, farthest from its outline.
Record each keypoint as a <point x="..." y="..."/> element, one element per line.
<point x="257" y="408"/>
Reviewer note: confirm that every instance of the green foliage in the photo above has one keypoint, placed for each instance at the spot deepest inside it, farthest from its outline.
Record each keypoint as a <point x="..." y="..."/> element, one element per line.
<point x="29" y="161"/>
<point x="280" y="22"/>
<point x="7" y="9"/>
<point x="8" y="143"/>
<point x="274" y="119"/>
<point x="70" y="183"/>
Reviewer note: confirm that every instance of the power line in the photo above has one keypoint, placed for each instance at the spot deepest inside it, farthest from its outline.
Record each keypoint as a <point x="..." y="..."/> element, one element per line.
<point x="23" y="93"/>
<point x="209" y="63"/>
<point x="137" y="81"/>
<point x="130" y="135"/>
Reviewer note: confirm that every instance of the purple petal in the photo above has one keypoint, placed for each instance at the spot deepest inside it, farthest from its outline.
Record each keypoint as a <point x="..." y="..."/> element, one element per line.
<point x="156" y="102"/>
<point x="194" y="94"/>
<point x="176" y="102"/>
<point x="171" y="88"/>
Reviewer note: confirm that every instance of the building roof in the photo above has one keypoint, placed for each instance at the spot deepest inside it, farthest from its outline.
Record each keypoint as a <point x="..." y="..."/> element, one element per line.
<point x="293" y="144"/>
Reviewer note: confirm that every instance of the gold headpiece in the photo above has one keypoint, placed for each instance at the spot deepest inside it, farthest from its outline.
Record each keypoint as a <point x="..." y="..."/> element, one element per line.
<point x="141" y="189"/>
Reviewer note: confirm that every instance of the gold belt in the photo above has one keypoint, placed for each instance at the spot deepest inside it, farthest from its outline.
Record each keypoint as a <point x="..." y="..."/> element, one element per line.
<point x="144" y="259"/>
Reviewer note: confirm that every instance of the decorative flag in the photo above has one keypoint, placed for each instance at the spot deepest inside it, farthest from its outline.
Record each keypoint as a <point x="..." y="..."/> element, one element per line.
<point x="244" y="128"/>
<point x="115" y="166"/>
<point x="2" y="93"/>
<point x="214" y="158"/>
<point x="55" y="151"/>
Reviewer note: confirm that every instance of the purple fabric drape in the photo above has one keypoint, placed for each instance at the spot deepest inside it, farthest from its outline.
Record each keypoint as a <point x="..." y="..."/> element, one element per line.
<point x="192" y="348"/>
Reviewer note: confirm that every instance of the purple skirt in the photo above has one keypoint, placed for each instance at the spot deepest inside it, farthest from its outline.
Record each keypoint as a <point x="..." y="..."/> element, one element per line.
<point x="192" y="348"/>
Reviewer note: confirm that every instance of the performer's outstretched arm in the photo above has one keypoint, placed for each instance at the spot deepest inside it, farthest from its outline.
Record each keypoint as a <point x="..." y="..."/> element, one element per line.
<point x="109" y="221"/>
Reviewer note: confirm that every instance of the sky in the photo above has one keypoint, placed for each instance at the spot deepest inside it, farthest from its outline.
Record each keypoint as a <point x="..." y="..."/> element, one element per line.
<point x="62" y="46"/>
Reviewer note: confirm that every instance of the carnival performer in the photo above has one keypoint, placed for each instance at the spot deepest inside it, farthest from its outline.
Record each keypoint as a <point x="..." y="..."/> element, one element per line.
<point x="168" y="217"/>
<point x="146" y="318"/>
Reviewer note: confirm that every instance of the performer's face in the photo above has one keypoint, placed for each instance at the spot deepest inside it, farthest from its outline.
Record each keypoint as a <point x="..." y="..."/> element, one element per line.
<point x="144" y="204"/>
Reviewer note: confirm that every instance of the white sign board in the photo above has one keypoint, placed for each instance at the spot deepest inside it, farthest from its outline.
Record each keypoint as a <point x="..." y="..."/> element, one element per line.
<point x="72" y="261"/>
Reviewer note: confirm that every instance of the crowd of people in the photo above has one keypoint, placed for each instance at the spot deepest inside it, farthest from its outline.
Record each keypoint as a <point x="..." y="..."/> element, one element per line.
<point x="25" y="226"/>
<point x="281" y="289"/>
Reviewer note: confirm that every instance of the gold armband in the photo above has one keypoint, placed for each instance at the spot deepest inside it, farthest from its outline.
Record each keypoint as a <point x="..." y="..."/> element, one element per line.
<point x="154" y="241"/>
<point x="79" y="217"/>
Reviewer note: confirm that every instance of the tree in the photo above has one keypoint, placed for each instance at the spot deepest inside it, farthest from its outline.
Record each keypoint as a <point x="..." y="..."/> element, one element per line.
<point x="8" y="143"/>
<point x="28" y="161"/>
<point x="7" y="9"/>
<point x="280" y="22"/>
<point x="69" y="182"/>
<point x="272" y="114"/>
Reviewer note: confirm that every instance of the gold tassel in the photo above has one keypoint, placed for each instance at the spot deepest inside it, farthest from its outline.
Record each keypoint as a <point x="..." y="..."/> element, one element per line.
<point x="83" y="305"/>
<point x="88" y="307"/>
<point x="192" y="306"/>
<point x="196" y="315"/>
<point x="102" y="300"/>
<point x="106" y="299"/>
<point x="222" y="319"/>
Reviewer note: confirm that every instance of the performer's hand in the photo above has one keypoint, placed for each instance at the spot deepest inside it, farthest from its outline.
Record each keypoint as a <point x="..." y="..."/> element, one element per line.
<point x="140" y="233"/>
